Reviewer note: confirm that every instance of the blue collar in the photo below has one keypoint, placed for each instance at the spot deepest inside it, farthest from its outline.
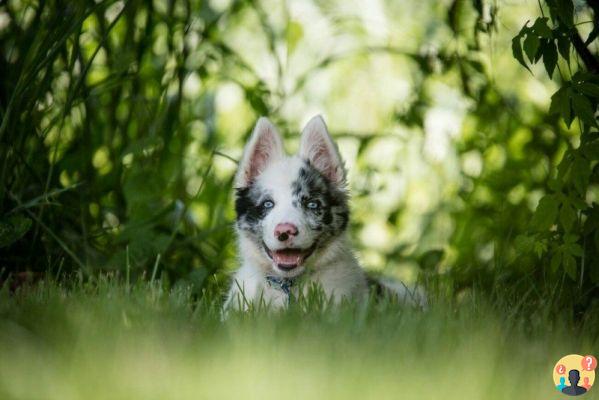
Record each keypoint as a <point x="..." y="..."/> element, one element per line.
<point x="282" y="284"/>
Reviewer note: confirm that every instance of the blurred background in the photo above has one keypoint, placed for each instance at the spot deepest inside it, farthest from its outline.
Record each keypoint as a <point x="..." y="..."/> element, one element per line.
<point x="122" y="123"/>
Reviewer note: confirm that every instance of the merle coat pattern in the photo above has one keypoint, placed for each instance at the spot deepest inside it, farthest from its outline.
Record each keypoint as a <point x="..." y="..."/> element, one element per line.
<point x="292" y="218"/>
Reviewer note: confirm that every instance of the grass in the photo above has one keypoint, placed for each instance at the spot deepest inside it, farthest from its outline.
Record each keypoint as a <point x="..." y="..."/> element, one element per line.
<point x="105" y="339"/>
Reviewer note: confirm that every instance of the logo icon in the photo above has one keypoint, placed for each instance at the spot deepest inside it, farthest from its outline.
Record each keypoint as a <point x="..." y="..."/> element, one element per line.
<point x="574" y="374"/>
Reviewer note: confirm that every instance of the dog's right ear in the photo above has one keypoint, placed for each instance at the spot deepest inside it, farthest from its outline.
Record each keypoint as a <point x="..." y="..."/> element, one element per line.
<point x="263" y="147"/>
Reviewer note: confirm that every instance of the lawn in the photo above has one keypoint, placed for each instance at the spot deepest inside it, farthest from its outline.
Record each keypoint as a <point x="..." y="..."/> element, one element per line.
<point x="106" y="340"/>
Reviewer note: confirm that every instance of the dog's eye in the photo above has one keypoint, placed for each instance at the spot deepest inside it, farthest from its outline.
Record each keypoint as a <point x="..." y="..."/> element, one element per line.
<point x="268" y="204"/>
<point x="313" y="204"/>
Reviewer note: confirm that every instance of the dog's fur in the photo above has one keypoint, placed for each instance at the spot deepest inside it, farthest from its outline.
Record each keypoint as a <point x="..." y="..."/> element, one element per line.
<point x="308" y="191"/>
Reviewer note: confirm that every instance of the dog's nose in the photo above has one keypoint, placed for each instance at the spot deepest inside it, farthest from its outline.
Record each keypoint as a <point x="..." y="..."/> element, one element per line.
<point x="285" y="230"/>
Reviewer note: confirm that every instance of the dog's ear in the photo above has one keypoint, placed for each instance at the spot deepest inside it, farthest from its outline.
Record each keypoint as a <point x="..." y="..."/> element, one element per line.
<point x="263" y="147"/>
<point x="318" y="148"/>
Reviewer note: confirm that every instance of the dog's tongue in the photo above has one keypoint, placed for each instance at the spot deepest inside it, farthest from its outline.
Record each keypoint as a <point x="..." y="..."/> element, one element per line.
<point x="287" y="257"/>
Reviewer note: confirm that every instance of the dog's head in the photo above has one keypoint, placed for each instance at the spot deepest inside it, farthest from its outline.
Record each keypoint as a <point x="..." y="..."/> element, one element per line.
<point x="290" y="210"/>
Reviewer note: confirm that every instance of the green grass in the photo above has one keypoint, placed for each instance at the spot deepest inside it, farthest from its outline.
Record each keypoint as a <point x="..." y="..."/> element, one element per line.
<point x="106" y="340"/>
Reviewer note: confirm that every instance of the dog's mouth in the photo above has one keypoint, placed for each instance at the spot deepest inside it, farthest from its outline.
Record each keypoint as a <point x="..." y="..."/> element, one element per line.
<point x="290" y="258"/>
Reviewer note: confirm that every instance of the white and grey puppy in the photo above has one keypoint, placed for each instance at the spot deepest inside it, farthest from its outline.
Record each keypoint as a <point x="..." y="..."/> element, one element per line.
<point x="292" y="217"/>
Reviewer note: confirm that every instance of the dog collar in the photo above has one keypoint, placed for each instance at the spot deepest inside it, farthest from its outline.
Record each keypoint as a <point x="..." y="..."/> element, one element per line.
<point x="282" y="284"/>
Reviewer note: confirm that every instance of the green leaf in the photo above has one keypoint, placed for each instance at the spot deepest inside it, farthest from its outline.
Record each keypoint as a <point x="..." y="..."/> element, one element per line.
<point x="591" y="150"/>
<point x="540" y="247"/>
<point x="546" y="213"/>
<point x="563" y="45"/>
<point x="517" y="51"/>
<point x="565" y="9"/>
<point x="556" y="260"/>
<point x="540" y="27"/>
<point x="564" y="166"/>
<point x="295" y="33"/>
<point x="549" y="52"/>
<point x="575" y="249"/>
<point x="570" y="238"/>
<point x="555" y="184"/>
<point x="583" y="109"/>
<point x="590" y="89"/>
<point x="531" y="45"/>
<point x="579" y="203"/>
<point x="524" y="243"/>
<point x="13" y="228"/>
<point x="431" y="259"/>
<point x="567" y="216"/>
<point x="569" y="265"/>
<point x="581" y="173"/>
<point x="560" y="104"/>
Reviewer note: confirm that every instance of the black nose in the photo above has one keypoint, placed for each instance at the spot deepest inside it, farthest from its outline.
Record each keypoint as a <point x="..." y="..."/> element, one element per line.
<point x="285" y="230"/>
<point x="283" y="236"/>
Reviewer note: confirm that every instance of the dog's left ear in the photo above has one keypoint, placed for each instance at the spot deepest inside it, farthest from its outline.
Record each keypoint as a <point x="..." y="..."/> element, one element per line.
<point x="318" y="148"/>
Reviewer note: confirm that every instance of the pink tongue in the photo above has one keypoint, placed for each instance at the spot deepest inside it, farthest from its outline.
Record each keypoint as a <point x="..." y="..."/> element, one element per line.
<point x="286" y="257"/>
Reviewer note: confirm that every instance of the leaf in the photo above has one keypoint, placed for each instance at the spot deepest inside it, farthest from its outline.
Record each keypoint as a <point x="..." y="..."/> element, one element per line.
<point x="565" y="9"/>
<point x="583" y="109"/>
<point x="540" y="247"/>
<point x="549" y="56"/>
<point x="579" y="203"/>
<point x="581" y="172"/>
<point x="569" y="264"/>
<point x="563" y="46"/>
<point x="517" y="51"/>
<point x="567" y="216"/>
<point x="476" y="65"/>
<point x="295" y="33"/>
<point x="13" y="228"/>
<point x="590" y="89"/>
<point x="570" y="238"/>
<point x="531" y="46"/>
<point x="555" y="184"/>
<point x="575" y="249"/>
<point x="564" y="166"/>
<point x="546" y="213"/>
<point x="524" y="243"/>
<point x="430" y="259"/>
<point x="560" y="104"/>
<point x="540" y="27"/>
<point x="591" y="150"/>
<point x="256" y="96"/>
<point x="556" y="260"/>
<point x="542" y="43"/>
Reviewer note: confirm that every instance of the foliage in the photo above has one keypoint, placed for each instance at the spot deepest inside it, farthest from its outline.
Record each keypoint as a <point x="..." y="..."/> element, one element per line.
<point x="94" y="105"/>
<point x="566" y="222"/>
<point x="118" y="136"/>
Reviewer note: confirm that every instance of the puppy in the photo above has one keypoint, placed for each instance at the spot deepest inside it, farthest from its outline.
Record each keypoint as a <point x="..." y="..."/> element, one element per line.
<point x="292" y="218"/>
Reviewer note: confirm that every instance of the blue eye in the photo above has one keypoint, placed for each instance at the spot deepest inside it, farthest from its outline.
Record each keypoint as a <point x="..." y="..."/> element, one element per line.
<point x="313" y="204"/>
<point x="268" y="204"/>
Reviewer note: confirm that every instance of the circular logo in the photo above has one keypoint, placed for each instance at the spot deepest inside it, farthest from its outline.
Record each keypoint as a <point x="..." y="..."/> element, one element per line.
<point x="574" y="374"/>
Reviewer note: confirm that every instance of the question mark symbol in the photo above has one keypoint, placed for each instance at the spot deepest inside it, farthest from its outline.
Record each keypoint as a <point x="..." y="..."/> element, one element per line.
<point x="589" y="363"/>
<point x="560" y="369"/>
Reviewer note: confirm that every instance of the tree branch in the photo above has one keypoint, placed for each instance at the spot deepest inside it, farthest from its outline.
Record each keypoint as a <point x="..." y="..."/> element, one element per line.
<point x="590" y="61"/>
